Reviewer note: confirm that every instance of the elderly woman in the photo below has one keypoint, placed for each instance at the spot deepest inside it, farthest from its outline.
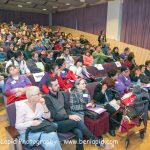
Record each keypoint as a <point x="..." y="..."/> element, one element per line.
<point x="15" y="85"/>
<point x="80" y="98"/>
<point x="31" y="113"/>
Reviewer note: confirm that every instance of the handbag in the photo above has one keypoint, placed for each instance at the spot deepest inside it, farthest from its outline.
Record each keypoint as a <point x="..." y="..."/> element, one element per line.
<point x="45" y="127"/>
<point x="94" y="113"/>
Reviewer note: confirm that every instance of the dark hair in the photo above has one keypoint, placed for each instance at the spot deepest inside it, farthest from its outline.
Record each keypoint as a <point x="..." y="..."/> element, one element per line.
<point x="49" y="81"/>
<point x="126" y="49"/>
<point x="9" y="68"/>
<point x="141" y="66"/>
<point x="147" y="62"/>
<point x="60" y="62"/>
<point x="112" y="73"/>
<point x="115" y="48"/>
<point x="109" y="82"/>
<point x="130" y="56"/>
<point x="18" y="54"/>
<point x="50" y="67"/>
<point x="33" y="54"/>
<point x="135" y="68"/>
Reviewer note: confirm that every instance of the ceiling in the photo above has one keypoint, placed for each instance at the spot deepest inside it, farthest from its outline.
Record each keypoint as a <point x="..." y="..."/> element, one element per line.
<point x="46" y="6"/>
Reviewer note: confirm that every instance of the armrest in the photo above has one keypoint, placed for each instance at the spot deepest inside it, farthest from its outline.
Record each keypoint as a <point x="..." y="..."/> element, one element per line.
<point x="12" y="131"/>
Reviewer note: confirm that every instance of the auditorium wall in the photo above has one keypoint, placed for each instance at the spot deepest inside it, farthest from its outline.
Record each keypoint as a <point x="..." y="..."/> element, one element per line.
<point x="27" y="17"/>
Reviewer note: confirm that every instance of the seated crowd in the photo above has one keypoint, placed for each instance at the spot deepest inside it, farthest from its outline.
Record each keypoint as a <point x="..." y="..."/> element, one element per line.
<point x="38" y="49"/>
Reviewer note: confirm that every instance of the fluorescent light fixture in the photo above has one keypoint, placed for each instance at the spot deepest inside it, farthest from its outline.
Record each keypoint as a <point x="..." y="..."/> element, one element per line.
<point x="67" y="4"/>
<point x="20" y="6"/>
<point x="44" y="9"/>
<point x="82" y="1"/>
<point x="55" y="7"/>
<point x="28" y="2"/>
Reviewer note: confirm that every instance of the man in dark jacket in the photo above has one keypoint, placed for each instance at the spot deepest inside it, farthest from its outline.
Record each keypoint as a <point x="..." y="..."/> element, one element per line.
<point x="57" y="104"/>
<point x="31" y="63"/>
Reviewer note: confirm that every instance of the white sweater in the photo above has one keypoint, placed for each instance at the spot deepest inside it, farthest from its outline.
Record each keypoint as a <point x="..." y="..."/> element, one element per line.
<point x="25" y="116"/>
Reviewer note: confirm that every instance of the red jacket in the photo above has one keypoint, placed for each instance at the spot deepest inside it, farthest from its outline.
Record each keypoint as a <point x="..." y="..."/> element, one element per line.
<point x="64" y="83"/>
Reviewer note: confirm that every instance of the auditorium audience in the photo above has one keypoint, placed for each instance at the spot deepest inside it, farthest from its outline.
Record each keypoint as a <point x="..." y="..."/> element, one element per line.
<point x="129" y="61"/>
<point x="147" y="69"/>
<point x="99" y="57"/>
<point x="32" y="63"/>
<point x="125" y="53"/>
<point x="87" y="59"/>
<point x="68" y="59"/>
<point x="104" y="93"/>
<point x="123" y="82"/>
<point x="18" y="62"/>
<point x="143" y="77"/>
<point x="31" y="113"/>
<point x="60" y="112"/>
<point x="115" y="54"/>
<point x="67" y="75"/>
<point x="80" y="98"/>
<point x="11" y="52"/>
<point x="15" y="85"/>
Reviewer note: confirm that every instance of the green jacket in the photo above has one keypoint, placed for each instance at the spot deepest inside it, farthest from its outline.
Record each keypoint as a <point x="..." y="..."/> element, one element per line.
<point x="99" y="58"/>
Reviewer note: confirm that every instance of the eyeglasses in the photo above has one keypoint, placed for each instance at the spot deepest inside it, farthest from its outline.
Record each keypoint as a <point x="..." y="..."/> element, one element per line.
<point x="36" y="94"/>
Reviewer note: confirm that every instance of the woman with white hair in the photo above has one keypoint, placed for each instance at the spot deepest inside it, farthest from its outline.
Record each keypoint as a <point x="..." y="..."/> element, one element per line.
<point x="31" y="113"/>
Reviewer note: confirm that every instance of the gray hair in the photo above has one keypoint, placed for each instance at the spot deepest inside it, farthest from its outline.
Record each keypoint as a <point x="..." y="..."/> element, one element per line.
<point x="32" y="90"/>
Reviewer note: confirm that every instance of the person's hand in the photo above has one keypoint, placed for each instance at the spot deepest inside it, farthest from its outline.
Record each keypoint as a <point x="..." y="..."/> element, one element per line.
<point x="59" y="71"/>
<point x="118" y="102"/>
<point x="18" y="94"/>
<point x="42" y="101"/>
<point x="74" y="117"/>
<point x="104" y="88"/>
<point x="36" y="122"/>
<point x="28" y="74"/>
<point x="89" y="104"/>
<point x="22" y="90"/>
<point x="1" y="78"/>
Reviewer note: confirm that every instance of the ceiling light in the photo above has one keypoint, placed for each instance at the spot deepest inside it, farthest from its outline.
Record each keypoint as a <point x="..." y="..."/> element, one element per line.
<point x="67" y="4"/>
<point x="20" y="6"/>
<point x="55" y="7"/>
<point x="82" y="1"/>
<point x="28" y="2"/>
<point x="44" y="9"/>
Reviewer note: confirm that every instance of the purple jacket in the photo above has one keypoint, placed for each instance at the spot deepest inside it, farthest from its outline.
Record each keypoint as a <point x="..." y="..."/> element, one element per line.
<point x="123" y="56"/>
<point x="12" y="84"/>
<point x="122" y="84"/>
<point x="43" y="80"/>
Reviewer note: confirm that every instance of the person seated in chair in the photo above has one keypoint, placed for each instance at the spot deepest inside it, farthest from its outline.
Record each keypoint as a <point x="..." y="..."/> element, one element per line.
<point x="80" y="98"/>
<point x="67" y="75"/>
<point x="31" y="113"/>
<point x="104" y="93"/>
<point x="143" y="77"/>
<point x="87" y="58"/>
<point x="57" y="104"/>
<point x="147" y="69"/>
<point x="31" y="63"/>
<point x="69" y="60"/>
<point x="19" y="62"/>
<point x="15" y="85"/>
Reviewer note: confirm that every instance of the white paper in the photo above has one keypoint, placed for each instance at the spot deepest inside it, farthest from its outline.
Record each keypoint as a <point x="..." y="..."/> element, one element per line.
<point x="38" y="76"/>
<point x="99" y="66"/>
<point x="118" y="64"/>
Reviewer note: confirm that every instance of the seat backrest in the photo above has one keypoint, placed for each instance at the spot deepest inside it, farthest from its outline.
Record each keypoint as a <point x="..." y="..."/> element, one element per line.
<point x="92" y="70"/>
<point x="31" y="78"/>
<point x="91" y="87"/>
<point x="11" y="112"/>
